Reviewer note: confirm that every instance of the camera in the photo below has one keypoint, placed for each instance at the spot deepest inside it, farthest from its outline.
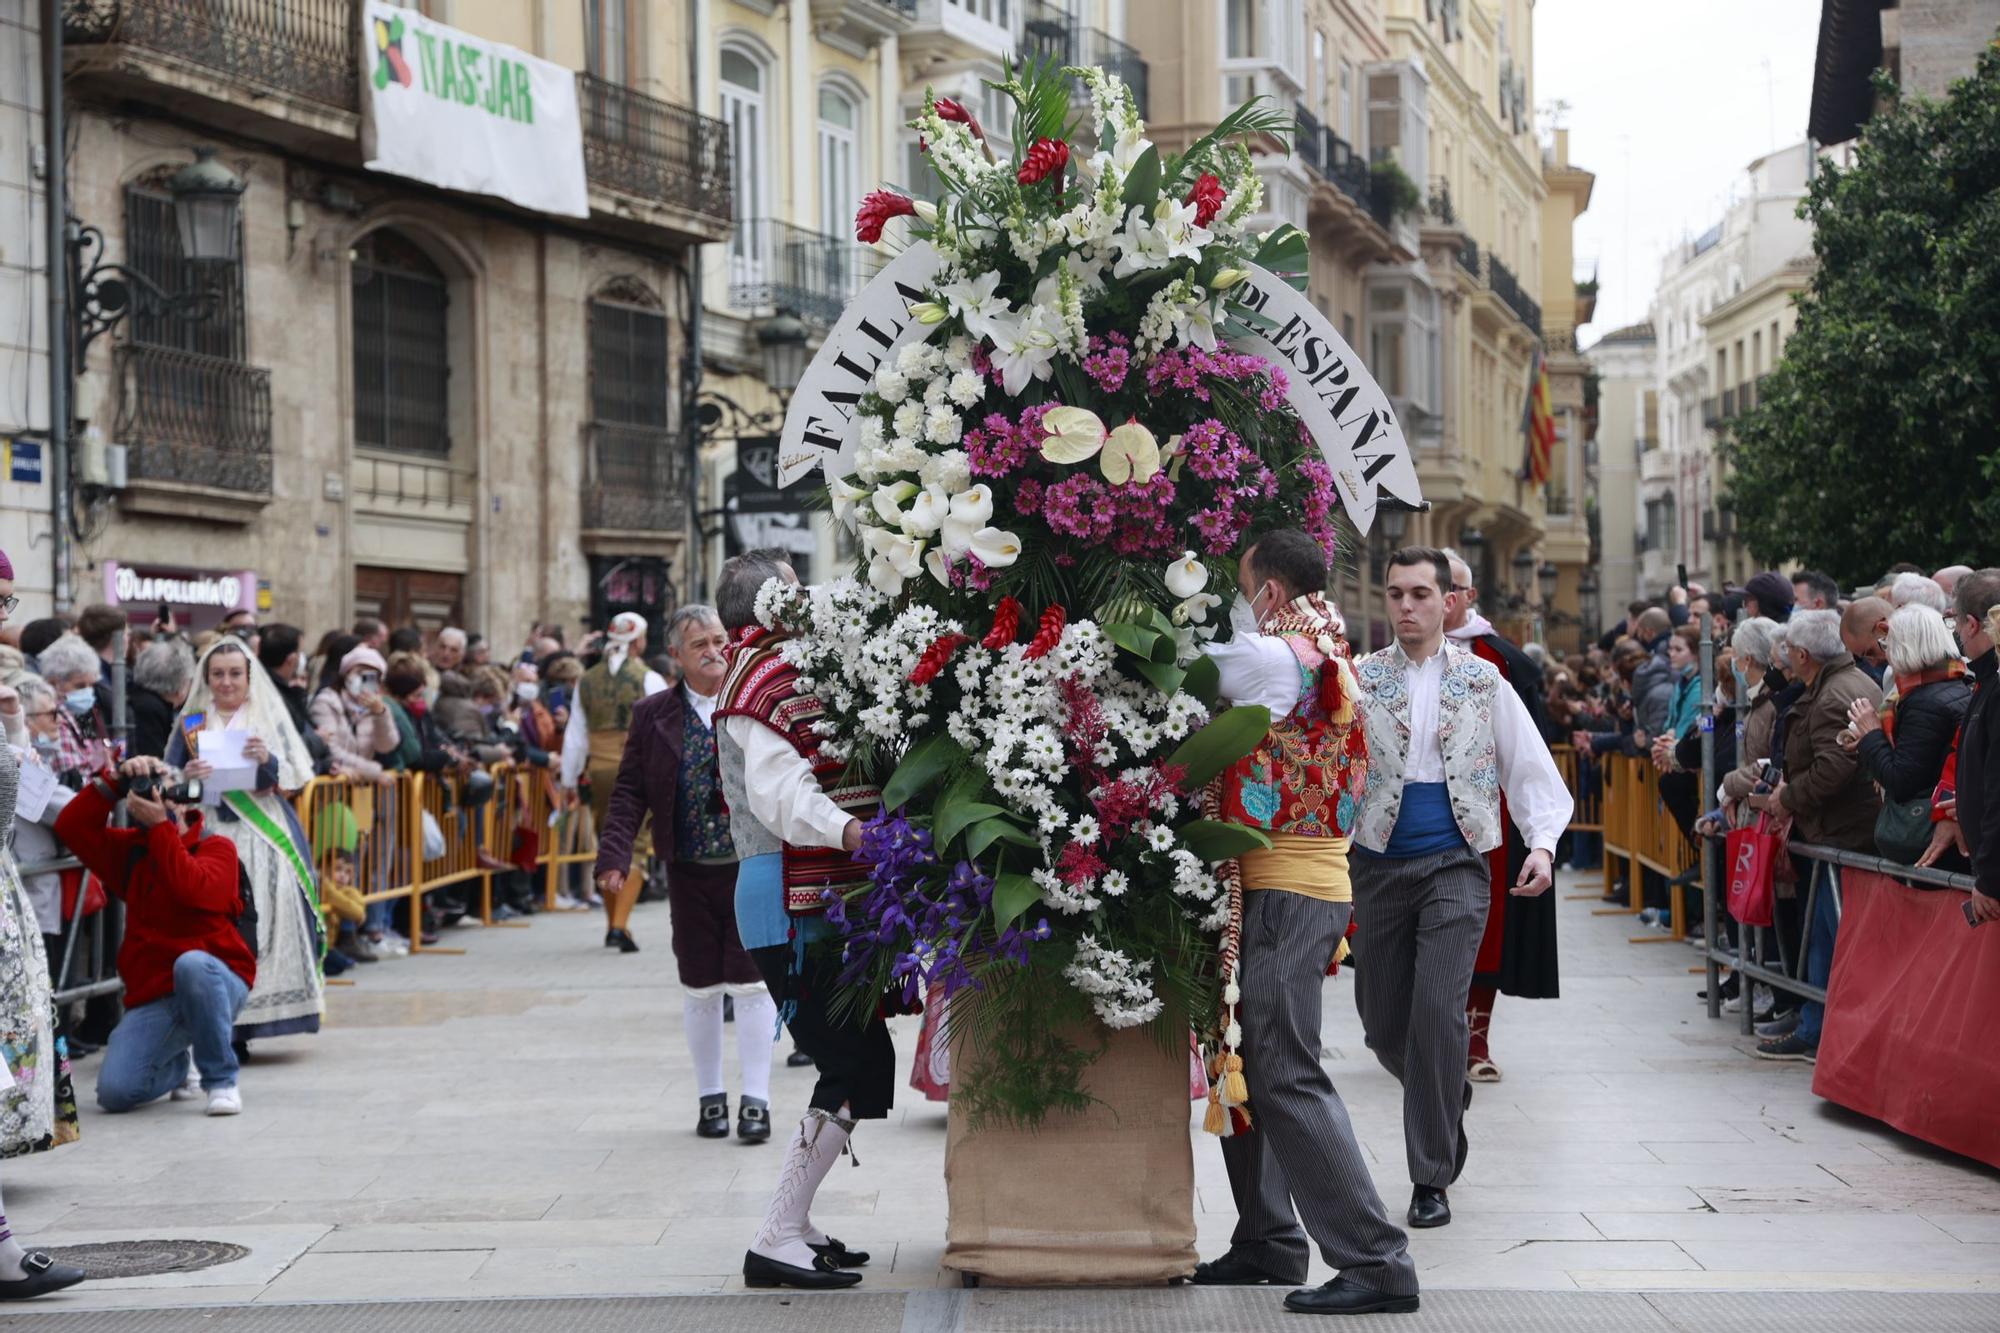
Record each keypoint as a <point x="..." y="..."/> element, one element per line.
<point x="155" y="787"/>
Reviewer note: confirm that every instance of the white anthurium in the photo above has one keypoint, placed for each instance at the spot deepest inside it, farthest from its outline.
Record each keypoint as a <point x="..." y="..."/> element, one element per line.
<point x="1173" y="455"/>
<point x="928" y="513"/>
<point x="939" y="564"/>
<point x="996" y="549"/>
<point x="845" y="495"/>
<point x="1187" y="576"/>
<point x="1072" y="434"/>
<point x="889" y="501"/>
<point x="971" y="511"/>
<point x="1131" y="454"/>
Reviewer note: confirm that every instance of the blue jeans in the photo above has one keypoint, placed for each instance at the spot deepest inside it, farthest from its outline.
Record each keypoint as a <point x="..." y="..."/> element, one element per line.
<point x="147" y="1057"/>
<point x="1819" y="952"/>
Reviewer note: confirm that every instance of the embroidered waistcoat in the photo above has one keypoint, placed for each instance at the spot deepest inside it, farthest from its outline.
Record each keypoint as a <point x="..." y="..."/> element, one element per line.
<point x="701" y="821"/>
<point x="1305" y="776"/>
<point x="608" y="698"/>
<point x="1465" y="735"/>
<point x="764" y="687"/>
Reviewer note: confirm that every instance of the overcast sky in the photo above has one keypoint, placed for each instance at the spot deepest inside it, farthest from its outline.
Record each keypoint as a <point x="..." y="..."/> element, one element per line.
<point x="1667" y="104"/>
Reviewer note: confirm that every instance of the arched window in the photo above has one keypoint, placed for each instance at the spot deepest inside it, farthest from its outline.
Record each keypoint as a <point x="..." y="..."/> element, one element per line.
<point x="839" y="158"/>
<point x="402" y="373"/>
<point x="746" y="110"/>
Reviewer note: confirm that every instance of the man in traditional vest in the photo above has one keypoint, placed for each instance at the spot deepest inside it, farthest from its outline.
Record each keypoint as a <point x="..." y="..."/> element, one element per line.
<point x="594" y="743"/>
<point x="671" y="772"/>
<point x="1445" y="740"/>
<point x="1517" y="954"/>
<point x="1300" y="787"/>
<point x="796" y="822"/>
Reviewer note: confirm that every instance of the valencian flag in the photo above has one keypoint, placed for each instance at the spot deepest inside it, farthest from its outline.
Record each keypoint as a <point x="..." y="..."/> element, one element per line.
<point x="1538" y="425"/>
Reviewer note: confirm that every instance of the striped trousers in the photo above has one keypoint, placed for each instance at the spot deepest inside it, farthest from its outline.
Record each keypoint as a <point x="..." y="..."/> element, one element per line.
<point x="1301" y="1149"/>
<point x="1420" y="920"/>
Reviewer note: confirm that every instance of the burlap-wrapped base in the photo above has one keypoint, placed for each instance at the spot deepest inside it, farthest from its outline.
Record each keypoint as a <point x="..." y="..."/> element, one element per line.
<point x="1103" y="1198"/>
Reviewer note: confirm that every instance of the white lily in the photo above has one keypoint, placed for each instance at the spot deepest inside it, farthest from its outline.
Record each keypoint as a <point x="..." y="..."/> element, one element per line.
<point x="1195" y="609"/>
<point x="1127" y="151"/>
<point x="1177" y="229"/>
<point x="1200" y="327"/>
<point x="1073" y="434"/>
<point x="1141" y="245"/>
<point x="1186" y="576"/>
<point x="845" y="495"/>
<point x="926" y="212"/>
<point x="971" y="510"/>
<point x="1024" y="346"/>
<point x="996" y="549"/>
<point x="1130" y="454"/>
<point x="927" y="515"/>
<point x="975" y="301"/>
<point x="889" y="501"/>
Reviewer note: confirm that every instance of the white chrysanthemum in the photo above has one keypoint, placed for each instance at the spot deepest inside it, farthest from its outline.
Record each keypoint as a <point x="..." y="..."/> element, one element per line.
<point x="1158" y="838"/>
<point x="1114" y="883"/>
<point x="1085" y="829"/>
<point x="1054" y="820"/>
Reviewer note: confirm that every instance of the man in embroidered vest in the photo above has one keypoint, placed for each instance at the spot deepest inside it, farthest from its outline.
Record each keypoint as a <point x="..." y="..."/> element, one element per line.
<point x="1517" y="954"/>
<point x="796" y="821"/>
<point x="1300" y="787"/>
<point x="594" y="743"/>
<point x="1445" y="740"/>
<point x="670" y="771"/>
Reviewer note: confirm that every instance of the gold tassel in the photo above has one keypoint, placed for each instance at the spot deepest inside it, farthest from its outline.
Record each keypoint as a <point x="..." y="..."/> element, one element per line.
<point x="1236" y="1090"/>
<point x="1216" y="1121"/>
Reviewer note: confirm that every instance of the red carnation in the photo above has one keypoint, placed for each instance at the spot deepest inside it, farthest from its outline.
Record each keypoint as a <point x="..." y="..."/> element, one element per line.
<point x="1006" y="624"/>
<point x="1207" y="199"/>
<point x="875" y="212"/>
<point x="947" y="109"/>
<point x="1046" y="157"/>
<point x="1048" y="634"/>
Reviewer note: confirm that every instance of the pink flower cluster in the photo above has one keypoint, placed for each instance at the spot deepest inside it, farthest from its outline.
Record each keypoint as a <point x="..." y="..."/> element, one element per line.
<point x="1317" y="505"/>
<point x="1190" y="369"/>
<point x="1109" y="361"/>
<point x="1131" y="517"/>
<point x="997" y="446"/>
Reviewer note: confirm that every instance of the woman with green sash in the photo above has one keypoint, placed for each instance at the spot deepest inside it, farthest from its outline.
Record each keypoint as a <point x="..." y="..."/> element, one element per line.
<point x="232" y="692"/>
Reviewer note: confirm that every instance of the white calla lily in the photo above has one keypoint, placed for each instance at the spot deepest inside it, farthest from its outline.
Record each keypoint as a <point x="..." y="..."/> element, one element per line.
<point x="928" y="514"/>
<point x="889" y="501"/>
<point x="1130" y="454"/>
<point x="895" y="558"/>
<point x="845" y="495"/>
<point x="1187" y="576"/>
<point x="971" y="510"/>
<point x="996" y="549"/>
<point x="939" y="564"/>
<point x="1195" y="609"/>
<point x="1072" y="434"/>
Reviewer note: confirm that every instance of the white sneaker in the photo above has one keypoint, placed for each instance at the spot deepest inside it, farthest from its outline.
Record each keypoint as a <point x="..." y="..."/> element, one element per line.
<point x="565" y="903"/>
<point x="188" y="1090"/>
<point x="226" y="1101"/>
<point x="395" y="945"/>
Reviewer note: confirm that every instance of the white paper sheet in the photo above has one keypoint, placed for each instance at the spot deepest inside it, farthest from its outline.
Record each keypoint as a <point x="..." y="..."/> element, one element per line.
<point x="32" y="797"/>
<point x="233" y="770"/>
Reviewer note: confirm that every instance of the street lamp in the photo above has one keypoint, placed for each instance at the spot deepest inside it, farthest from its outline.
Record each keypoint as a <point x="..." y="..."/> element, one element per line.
<point x="1394" y="518"/>
<point x="1586" y="591"/>
<point x="1524" y="570"/>
<point x="1547" y="576"/>
<point x="208" y="205"/>
<point x="781" y="343"/>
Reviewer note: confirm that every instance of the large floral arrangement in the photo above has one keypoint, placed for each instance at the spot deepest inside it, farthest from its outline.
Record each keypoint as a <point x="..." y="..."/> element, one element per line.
<point x="1049" y="493"/>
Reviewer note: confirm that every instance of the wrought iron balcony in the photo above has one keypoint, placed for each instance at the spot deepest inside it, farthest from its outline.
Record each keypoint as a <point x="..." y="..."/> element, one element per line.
<point x="655" y="150"/>
<point x="1334" y="160"/>
<point x="307" y="48"/>
<point x="1746" y="395"/>
<point x="635" y="478"/>
<point x="1505" y="286"/>
<point x="1728" y="404"/>
<point x="776" y="266"/>
<point x="1439" y="205"/>
<point x="199" y="420"/>
<point x="1467" y="256"/>
<point x="1050" y="32"/>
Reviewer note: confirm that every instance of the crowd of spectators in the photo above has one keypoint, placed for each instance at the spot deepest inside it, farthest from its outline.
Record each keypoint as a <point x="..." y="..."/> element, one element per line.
<point x="1864" y="720"/>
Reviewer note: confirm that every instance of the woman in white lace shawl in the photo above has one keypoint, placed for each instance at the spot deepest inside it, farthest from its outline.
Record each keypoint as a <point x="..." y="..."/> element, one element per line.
<point x="232" y="692"/>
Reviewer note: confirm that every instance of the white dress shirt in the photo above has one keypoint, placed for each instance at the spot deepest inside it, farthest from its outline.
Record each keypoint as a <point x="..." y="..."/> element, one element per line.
<point x="1424" y="681"/>
<point x="1259" y="669"/>
<point x="703" y="704"/>
<point x="785" y="797"/>
<point x="576" y="736"/>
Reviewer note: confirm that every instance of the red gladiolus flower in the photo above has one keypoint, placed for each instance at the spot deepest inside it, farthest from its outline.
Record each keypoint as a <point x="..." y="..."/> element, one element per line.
<point x="1207" y="197"/>
<point x="875" y="212"/>
<point x="1046" y="157"/>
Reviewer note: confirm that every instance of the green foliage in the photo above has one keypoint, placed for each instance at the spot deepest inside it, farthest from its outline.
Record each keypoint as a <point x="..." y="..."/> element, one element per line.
<point x="928" y="761"/>
<point x="1878" y="437"/>
<point x="1213" y="840"/>
<point x="1405" y="199"/>
<point x="1226" y="738"/>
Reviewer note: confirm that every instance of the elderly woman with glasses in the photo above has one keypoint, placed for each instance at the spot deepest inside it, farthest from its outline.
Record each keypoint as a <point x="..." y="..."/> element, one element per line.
<point x="72" y="667"/>
<point x="1904" y="746"/>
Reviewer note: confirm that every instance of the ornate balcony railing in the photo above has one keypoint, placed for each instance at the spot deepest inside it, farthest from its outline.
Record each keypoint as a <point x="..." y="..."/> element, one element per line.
<point x="776" y="266"/>
<point x="1439" y="205"/>
<point x="1334" y="160"/>
<point x="1728" y="404"/>
<point x="635" y="479"/>
<point x="304" y="47"/>
<point x="1049" y="31"/>
<point x="1467" y="256"/>
<point x="203" y="420"/>
<point x="642" y="146"/>
<point x="1505" y="286"/>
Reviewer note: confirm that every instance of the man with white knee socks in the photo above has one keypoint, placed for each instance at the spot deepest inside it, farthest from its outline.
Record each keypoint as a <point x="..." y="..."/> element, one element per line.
<point x="797" y="822"/>
<point x="669" y="769"/>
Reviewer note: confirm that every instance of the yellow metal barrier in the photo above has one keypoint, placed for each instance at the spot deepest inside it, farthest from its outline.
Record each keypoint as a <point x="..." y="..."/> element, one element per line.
<point x="1638" y="827"/>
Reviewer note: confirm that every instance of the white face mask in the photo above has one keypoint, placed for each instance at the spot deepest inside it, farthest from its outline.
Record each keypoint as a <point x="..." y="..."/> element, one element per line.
<point x="527" y="692"/>
<point x="1243" y="616"/>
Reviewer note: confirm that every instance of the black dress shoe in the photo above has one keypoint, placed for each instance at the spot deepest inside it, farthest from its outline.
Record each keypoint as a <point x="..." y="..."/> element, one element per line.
<point x="798" y="1060"/>
<point x="1341" y="1296"/>
<point x="840" y="1254"/>
<point x="43" y="1275"/>
<point x="714" y="1122"/>
<point x="1429" y="1207"/>
<point x="753" y="1121"/>
<point x="1233" y="1270"/>
<point x="621" y="940"/>
<point x="824" y="1275"/>
<point x="1464" y="1149"/>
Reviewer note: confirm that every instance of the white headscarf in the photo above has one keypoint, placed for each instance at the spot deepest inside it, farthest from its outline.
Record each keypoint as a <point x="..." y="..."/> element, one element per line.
<point x="626" y="627"/>
<point x="267" y="717"/>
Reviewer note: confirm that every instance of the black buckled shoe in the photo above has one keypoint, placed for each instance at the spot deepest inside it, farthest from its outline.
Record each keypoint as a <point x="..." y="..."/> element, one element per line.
<point x="621" y="940"/>
<point x="1429" y="1207"/>
<point x="824" y="1275"/>
<point x="1341" y="1296"/>
<point x="1233" y="1270"/>
<point x="753" y="1121"/>
<point x="43" y="1275"/>
<point x="840" y="1254"/>
<point x="714" y="1121"/>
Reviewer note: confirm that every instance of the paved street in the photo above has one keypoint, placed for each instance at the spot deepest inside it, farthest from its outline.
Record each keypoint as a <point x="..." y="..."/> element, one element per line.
<point x="517" y="1122"/>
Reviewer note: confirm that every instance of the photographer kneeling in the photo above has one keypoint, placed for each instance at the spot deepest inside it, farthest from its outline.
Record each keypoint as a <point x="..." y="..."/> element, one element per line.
<point x="186" y="961"/>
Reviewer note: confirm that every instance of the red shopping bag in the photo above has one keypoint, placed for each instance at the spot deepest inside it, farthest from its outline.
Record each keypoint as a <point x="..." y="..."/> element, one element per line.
<point x="1753" y="863"/>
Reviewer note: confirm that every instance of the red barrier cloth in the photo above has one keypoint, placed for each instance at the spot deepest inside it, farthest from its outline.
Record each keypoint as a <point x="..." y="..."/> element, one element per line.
<point x="1906" y="1038"/>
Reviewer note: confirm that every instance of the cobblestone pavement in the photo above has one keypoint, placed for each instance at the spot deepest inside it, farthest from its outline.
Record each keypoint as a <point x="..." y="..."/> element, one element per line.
<point x="517" y="1123"/>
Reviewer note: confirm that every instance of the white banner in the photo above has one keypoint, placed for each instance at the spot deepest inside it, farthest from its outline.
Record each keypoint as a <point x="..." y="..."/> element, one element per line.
<point x="820" y="426"/>
<point x="454" y="110"/>
<point x="1349" y="416"/>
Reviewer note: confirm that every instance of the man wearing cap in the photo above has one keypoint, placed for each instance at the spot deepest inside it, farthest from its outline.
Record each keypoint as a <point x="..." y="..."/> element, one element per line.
<point x="1768" y="594"/>
<point x="594" y="744"/>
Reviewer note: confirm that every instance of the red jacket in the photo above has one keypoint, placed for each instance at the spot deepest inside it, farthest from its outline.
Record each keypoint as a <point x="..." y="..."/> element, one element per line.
<point x="179" y="888"/>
